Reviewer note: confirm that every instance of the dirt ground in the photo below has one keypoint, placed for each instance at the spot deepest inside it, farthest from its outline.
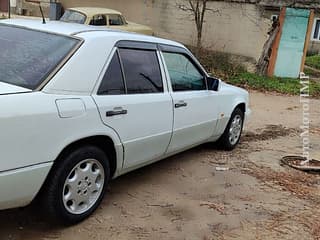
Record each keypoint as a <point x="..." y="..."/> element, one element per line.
<point x="185" y="197"/>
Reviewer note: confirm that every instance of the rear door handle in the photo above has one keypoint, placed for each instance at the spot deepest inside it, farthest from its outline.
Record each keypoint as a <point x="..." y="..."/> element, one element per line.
<point x="181" y="104"/>
<point x="116" y="112"/>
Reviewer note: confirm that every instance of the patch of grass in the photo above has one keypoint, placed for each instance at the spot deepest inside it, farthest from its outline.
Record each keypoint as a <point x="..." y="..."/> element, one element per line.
<point x="310" y="72"/>
<point x="313" y="61"/>
<point x="223" y="66"/>
<point x="218" y="63"/>
<point x="273" y="84"/>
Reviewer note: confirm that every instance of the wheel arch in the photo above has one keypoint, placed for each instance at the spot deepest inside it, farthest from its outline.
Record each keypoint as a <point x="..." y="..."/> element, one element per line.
<point x="105" y="143"/>
<point x="242" y="106"/>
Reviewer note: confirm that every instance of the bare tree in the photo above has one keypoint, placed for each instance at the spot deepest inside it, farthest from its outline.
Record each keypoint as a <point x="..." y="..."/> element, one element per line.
<point x="197" y="9"/>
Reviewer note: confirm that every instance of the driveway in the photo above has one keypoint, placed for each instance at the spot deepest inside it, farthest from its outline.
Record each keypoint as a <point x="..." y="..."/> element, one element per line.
<point x="186" y="197"/>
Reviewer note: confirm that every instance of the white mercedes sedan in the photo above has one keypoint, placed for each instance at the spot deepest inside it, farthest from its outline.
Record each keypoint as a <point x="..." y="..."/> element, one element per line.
<point x="81" y="106"/>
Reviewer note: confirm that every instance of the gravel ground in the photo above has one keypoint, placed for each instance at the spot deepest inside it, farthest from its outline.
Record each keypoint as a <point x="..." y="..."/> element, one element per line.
<point x="185" y="197"/>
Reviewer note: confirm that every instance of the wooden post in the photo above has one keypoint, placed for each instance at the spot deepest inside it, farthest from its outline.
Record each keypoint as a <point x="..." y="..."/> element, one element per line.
<point x="275" y="46"/>
<point x="308" y="39"/>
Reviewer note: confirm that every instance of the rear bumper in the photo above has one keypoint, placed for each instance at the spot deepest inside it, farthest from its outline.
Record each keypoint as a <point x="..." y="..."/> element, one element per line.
<point x="19" y="187"/>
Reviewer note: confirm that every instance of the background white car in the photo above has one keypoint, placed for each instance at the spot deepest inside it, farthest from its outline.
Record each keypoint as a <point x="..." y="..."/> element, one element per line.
<point x="80" y="107"/>
<point x="103" y="17"/>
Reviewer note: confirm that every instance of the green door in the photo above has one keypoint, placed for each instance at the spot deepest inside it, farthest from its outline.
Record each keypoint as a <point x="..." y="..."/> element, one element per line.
<point x="292" y="42"/>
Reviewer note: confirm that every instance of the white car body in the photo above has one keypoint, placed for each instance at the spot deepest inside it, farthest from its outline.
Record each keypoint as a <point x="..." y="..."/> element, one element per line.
<point x="36" y="126"/>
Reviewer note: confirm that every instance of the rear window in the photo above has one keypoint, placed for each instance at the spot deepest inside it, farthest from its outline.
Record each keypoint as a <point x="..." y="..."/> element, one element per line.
<point x="115" y="20"/>
<point x="27" y="57"/>
<point x="73" y="17"/>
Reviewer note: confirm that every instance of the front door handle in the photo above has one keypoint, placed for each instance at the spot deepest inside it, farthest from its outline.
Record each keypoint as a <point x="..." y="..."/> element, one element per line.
<point x="116" y="112"/>
<point x="181" y="104"/>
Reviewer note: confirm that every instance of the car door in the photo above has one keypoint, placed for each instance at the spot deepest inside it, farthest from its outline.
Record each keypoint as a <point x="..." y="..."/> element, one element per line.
<point x="195" y="107"/>
<point x="133" y="100"/>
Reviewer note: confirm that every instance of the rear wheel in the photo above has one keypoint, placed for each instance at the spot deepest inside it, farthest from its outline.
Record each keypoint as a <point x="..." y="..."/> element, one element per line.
<point x="233" y="131"/>
<point x="77" y="184"/>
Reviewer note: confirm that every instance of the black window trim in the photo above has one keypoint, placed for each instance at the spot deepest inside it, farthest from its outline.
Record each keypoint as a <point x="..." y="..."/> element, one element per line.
<point x="137" y="45"/>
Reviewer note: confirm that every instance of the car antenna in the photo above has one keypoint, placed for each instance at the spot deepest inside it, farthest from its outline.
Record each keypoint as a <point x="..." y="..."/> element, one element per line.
<point x="41" y="11"/>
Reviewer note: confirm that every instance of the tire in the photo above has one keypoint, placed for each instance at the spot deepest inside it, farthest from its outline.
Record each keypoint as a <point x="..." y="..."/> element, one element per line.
<point x="229" y="140"/>
<point x="76" y="185"/>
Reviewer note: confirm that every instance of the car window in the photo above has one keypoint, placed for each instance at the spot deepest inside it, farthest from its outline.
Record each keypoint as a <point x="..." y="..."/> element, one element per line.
<point x="112" y="82"/>
<point x="115" y="20"/>
<point x="142" y="71"/>
<point x="73" y="17"/>
<point x="183" y="73"/>
<point x="98" y="20"/>
<point x="27" y="57"/>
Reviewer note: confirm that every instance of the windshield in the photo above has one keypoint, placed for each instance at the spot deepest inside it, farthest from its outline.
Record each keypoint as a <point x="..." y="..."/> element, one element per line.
<point x="73" y="17"/>
<point x="27" y="57"/>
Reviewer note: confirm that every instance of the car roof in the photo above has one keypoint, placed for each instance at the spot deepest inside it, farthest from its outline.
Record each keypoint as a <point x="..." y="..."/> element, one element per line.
<point x="91" y="11"/>
<point x="58" y="27"/>
<point x="98" y="44"/>
<point x="74" y="29"/>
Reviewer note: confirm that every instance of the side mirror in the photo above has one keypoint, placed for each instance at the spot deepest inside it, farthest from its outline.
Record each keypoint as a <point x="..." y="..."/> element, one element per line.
<point x="213" y="83"/>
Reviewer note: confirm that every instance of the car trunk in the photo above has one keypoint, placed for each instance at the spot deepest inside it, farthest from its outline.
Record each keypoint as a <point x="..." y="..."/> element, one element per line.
<point x="6" y="88"/>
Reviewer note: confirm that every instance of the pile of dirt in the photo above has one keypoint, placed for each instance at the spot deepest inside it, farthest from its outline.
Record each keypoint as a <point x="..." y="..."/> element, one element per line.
<point x="269" y="132"/>
<point x="301" y="184"/>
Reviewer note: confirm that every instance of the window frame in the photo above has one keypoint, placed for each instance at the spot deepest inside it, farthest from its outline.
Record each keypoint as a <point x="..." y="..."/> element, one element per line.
<point x="314" y="29"/>
<point x="134" y="45"/>
<point x="159" y="48"/>
<point x="182" y="51"/>
<point x="105" y="72"/>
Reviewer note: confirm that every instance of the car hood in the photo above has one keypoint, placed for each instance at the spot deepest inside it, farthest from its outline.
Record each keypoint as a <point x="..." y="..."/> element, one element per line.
<point x="227" y="87"/>
<point x="6" y="88"/>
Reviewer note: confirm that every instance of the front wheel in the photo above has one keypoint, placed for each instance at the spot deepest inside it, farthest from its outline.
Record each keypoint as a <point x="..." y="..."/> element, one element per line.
<point x="77" y="184"/>
<point x="233" y="131"/>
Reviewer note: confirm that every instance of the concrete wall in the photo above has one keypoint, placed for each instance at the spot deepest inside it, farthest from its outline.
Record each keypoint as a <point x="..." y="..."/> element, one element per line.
<point x="3" y="5"/>
<point x="237" y="28"/>
<point x="23" y="7"/>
